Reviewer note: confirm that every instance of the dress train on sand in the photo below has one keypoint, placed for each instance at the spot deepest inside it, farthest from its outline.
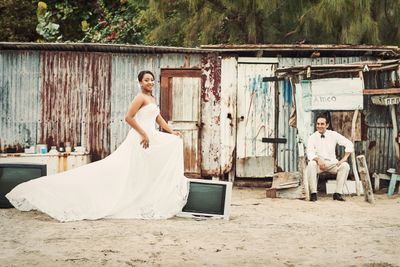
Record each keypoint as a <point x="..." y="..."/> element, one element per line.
<point x="132" y="182"/>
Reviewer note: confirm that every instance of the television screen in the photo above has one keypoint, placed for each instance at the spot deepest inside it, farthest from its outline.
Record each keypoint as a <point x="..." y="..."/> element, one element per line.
<point x="12" y="174"/>
<point x="206" y="198"/>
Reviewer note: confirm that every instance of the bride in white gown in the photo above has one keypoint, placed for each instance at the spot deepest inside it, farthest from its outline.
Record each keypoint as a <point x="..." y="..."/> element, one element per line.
<point x="142" y="179"/>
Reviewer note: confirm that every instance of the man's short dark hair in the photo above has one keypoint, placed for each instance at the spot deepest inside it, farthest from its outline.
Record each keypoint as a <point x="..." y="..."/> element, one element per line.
<point x="322" y="116"/>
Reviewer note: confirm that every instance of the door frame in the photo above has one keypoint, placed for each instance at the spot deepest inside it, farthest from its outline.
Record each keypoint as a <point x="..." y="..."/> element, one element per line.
<point x="166" y="102"/>
<point x="165" y="87"/>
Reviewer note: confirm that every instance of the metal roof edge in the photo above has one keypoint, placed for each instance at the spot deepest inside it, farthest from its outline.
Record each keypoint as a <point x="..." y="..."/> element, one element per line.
<point x="272" y="47"/>
<point x="100" y="47"/>
<point x="394" y="51"/>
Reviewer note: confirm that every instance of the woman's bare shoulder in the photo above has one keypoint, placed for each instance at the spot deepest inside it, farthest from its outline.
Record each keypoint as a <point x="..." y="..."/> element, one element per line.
<point x="139" y="98"/>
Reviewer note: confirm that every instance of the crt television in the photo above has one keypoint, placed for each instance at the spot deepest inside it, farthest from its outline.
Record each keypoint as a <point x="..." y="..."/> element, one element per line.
<point x="12" y="174"/>
<point x="208" y="199"/>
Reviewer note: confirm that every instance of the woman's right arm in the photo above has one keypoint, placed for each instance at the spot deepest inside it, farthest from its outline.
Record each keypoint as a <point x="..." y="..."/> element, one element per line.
<point x="137" y="102"/>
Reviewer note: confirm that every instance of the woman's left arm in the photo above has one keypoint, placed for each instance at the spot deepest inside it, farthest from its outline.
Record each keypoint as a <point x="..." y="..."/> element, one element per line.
<point x="164" y="125"/>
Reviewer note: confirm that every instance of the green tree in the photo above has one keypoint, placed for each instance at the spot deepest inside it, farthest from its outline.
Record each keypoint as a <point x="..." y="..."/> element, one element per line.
<point x="340" y="21"/>
<point x="17" y="21"/>
<point x="63" y="20"/>
<point x="117" y="22"/>
<point x="386" y="12"/>
<point x="195" y="22"/>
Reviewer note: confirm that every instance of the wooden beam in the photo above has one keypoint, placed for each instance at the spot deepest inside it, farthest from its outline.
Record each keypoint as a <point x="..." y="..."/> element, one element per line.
<point x="365" y="179"/>
<point x="353" y="154"/>
<point x="381" y="91"/>
<point x="303" y="170"/>
<point x="274" y="140"/>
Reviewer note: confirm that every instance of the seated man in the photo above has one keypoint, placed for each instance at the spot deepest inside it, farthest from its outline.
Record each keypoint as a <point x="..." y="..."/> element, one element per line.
<point x="321" y="149"/>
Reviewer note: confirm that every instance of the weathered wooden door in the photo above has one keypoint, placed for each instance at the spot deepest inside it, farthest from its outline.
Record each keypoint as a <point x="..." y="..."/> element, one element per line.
<point x="256" y="118"/>
<point x="180" y="107"/>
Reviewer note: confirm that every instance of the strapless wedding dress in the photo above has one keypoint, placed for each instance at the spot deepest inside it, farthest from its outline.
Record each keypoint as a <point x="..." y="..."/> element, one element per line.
<point x="132" y="182"/>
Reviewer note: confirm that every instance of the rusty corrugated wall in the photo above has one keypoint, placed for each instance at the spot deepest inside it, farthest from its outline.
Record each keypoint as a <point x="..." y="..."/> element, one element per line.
<point x="82" y="97"/>
<point x="211" y="116"/>
<point x="75" y="92"/>
<point x="377" y="129"/>
<point x="376" y="143"/>
<point x="228" y="120"/>
<point x="19" y="99"/>
<point x="76" y="97"/>
<point x="287" y="153"/>
<point x="124" y="86"/>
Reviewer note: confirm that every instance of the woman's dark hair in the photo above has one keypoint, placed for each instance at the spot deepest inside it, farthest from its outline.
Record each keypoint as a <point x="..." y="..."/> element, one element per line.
<point x="142" y="73"/>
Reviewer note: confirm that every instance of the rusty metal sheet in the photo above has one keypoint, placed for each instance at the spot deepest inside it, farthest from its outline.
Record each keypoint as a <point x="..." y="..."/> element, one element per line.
<point x="378" y="149"/>
<point x="124" y="86"/>
<point x="255" y="167"/>
<point x="286" y="152"/>
<point x="75" y="92"/>
<point x="228" y="113"/>
<point x="256" y="114"/>
<point x="341" y="121"/>
<point x="19" y="99"/>
<point x="211" y="115"/>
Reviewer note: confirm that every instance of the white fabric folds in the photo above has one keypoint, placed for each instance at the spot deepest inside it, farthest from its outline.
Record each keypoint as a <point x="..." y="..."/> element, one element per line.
<point x="132" y="182"/>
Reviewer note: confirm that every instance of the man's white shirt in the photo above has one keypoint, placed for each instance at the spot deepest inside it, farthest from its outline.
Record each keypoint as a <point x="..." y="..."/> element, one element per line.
<point x="324" y="146"/>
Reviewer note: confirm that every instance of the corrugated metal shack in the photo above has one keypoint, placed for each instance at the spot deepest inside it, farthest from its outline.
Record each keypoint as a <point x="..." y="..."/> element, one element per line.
<point x="264" y="102"/>
<point x="79" y="93"/>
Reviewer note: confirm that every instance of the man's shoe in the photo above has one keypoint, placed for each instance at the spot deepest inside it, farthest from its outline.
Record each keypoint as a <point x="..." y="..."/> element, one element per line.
<point x="313" y="197"/>
<point x="338" y="197"/>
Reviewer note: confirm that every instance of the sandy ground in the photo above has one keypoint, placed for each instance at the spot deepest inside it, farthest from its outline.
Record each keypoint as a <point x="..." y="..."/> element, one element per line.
<point x="261" y="232"/>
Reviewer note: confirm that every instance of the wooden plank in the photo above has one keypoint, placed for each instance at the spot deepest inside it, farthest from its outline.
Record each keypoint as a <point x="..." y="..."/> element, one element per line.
<point x="274" y="140"/>
<point x="255" y="167"/>
<point x="365" y="179"/>
<point x="395" y="133"/>
<point x="385" y="100"/>
<point x="381" y="91"/>
<point x="290" y="193"/>
<point x="347" y="124"/>
<point x="286" y="180"/>
<point x="302" y="170"/>
<point x="164" y="106"/>
<point x="337" y="94"/>
<point x="353" y="154"/>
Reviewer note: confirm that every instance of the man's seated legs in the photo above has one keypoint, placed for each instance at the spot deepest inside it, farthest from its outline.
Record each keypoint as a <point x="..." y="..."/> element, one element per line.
<point x="341" y="171"/>
<point x="341" y="176"/>
<point x="312" y="172"/>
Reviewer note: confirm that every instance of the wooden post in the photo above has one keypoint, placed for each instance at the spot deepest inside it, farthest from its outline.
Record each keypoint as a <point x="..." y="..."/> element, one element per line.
<point x="303" y="170"/>
<point x="231" y="175"/>
<point x="353" y="154"/>
<point x="395" y="133"/>
<point x="365" y="179"/>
